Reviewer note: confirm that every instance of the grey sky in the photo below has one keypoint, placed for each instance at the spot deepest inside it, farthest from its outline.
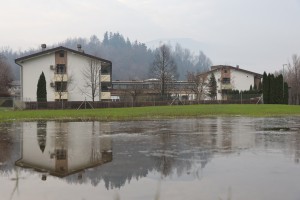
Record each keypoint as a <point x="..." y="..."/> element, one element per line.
<point x="258" y="35"/>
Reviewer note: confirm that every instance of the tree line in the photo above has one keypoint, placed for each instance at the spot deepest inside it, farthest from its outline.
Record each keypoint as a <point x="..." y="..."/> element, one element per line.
<point x="127" y="56"/>
<point x="275" y="90"/>
<point x="292" y="77"/>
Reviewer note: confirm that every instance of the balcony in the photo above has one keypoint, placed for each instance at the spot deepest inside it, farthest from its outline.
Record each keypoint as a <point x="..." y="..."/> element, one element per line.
<point x="226" y="87"/>
<point x="105" y="78"/>
<point x="105" y="95"/>
<point x="60" y="78"/>
<point x="64" y="95"/>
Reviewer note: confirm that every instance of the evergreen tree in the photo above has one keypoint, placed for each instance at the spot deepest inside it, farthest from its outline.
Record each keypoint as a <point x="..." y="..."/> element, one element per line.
<point x="260" y="87"/>
<point x="212" y="91"/>
<point x="105" y="39"/>
<point x="41" y="92"/>
<point x="271" y="89"/>
<point x="250" y="88"/>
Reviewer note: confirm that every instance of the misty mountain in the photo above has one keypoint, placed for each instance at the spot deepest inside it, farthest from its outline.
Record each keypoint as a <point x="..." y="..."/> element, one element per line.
<point x="131" y="59"/>
<point x="193" y="45"/>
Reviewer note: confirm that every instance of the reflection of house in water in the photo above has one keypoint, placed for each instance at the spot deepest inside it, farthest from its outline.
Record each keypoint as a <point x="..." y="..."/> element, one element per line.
<point x="63" y="148"/>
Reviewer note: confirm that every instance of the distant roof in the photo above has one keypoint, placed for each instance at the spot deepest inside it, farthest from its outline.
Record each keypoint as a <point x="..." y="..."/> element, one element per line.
<point x="59" y="49"/>
<point x="217" y="67"/>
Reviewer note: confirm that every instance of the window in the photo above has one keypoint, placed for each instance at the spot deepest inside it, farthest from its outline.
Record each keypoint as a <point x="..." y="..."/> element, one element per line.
<point x="61" y="69"/>
<point x="226" y="80"/>
<point x="60" y="86"/>
<point x="225" y="71"/>
<point x="62" y="54"/>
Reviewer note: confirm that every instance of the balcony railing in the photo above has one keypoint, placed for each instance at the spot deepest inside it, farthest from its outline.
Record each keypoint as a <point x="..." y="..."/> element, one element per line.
<point x="61" y="95"/>
<point x="226" y="87"/>
<point x="105" y="78"/>
<point x="60" y="77"/>
<point x="105" y="95"/>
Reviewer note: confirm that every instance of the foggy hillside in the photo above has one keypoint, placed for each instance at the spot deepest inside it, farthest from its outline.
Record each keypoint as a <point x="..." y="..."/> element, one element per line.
<point x="131" y="59"/>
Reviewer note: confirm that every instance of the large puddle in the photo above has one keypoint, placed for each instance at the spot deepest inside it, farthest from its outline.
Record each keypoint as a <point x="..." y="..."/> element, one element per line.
<point x="208" y="158"/>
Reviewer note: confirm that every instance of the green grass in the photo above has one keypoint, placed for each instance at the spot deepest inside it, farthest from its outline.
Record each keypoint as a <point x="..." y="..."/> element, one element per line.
<point x="159" y="112"/>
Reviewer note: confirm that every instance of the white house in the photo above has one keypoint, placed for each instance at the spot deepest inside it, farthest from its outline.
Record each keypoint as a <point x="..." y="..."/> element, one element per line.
<point x="232" y="78"/>
<point x="66" y="72"/>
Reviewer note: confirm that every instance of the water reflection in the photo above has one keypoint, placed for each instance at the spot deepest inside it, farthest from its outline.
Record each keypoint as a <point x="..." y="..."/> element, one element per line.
<point x="211" y="158"/>
<point x="63" y="148"/>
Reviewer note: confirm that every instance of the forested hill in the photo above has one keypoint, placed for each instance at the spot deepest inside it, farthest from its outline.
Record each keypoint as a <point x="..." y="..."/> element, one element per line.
<point x="131" y="59"/>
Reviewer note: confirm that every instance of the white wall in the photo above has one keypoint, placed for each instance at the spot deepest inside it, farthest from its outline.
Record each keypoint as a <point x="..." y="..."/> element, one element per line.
<point x="31" y="152"/>
<point x="241" y="80"/>
<point x="32" y="70"/>
<point x="76" y="65"/>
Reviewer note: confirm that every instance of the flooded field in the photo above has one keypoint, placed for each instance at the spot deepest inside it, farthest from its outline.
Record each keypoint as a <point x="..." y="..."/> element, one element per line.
<point x="209" y="158"/>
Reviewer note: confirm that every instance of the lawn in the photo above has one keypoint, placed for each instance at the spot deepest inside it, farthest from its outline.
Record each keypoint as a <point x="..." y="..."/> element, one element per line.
<point x="158" y="112"/>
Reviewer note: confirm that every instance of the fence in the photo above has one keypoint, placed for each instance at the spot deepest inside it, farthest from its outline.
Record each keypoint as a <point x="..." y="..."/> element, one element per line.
<point x="120" y="104"/>
<point x="6" y="102"/>
<point x="11" y="103"/>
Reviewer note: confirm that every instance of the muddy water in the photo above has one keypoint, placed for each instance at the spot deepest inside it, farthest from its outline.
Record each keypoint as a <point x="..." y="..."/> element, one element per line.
<point x="208" y="158"/>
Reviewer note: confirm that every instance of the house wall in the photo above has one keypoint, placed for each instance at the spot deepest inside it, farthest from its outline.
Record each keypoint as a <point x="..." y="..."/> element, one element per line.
<point x="241" y="80"/>
<point x="32" y="70"/>
<point x="76" y="65"/>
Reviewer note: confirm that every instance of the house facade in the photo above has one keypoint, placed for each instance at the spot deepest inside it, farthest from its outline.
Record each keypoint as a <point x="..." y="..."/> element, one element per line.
<point x="67" y="74"/>
<point x="231" y="78"/>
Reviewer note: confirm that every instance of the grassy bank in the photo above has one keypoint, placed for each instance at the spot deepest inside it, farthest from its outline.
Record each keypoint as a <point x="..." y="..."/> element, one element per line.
<point x="111" y="114"/>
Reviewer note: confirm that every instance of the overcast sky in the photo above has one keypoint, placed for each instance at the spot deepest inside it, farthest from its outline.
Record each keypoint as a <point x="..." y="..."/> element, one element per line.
<point x="258" y="35"/>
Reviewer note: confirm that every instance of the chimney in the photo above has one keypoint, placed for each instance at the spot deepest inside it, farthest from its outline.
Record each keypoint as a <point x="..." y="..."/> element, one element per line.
<point x="43" y="46"/>
<point x="79" y="47"/>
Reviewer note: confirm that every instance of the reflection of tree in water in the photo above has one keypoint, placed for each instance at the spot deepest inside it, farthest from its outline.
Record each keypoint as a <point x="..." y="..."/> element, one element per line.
<point x="165" y="152"/>
<point x="9" y="146"/>
<point x="226" y="128"/>
<point x="9" y="151"/>
<point x="164" y="149"/>
<point x="168" y="148"/>
<point x="297" y="147"/>
<point x="6" y="143"/>
<point x="42" y="134"/>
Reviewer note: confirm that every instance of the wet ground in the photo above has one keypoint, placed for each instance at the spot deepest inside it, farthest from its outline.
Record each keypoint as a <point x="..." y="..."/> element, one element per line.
<point x="208" y="158"/>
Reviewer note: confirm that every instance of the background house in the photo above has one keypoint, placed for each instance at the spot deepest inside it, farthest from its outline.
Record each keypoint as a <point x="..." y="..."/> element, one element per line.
<point x="66" y="72"/>
<point x="230" y="78"/>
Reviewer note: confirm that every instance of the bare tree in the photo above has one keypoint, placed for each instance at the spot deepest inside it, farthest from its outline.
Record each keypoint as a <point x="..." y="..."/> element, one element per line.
<point x="164" y="68"/>
<point x="134" y="91"/>
<point x="293" y="79"/>
<point x="91" y="76"/>
<point x="5" y="76"/>
<point x="198" y="84"/>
